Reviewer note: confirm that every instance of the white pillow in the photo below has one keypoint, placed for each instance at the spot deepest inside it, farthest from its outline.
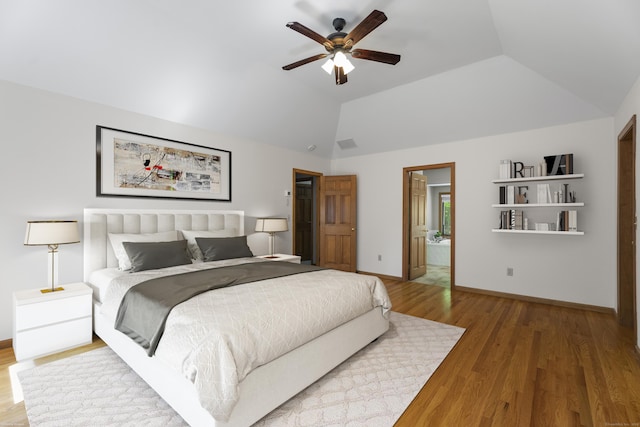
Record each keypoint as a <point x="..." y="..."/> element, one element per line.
<point x="190" y="236"/>
<point x="124" y="263"/>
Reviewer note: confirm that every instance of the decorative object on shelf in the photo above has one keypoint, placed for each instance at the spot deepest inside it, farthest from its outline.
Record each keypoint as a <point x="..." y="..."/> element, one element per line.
<point x="272" y="226"/>
<point x="518" y="170"/>
<point x="561" y="164"/>
<point x="131" y="164"/>
<point x="528" y="172"/>
<point x="521" y="197"/>
<point x="52" y="234"/>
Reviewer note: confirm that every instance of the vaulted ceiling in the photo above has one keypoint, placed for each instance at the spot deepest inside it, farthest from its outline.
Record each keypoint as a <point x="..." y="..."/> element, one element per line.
<point x="510" y="64"/>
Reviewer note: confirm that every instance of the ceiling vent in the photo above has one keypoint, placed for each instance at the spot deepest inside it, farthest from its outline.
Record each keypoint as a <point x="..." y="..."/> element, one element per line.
<point x="346" y="144"/>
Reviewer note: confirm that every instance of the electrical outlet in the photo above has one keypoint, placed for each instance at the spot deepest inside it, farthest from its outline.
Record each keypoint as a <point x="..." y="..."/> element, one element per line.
<point x="379" y="257"/>
<point x="509" y="271"/>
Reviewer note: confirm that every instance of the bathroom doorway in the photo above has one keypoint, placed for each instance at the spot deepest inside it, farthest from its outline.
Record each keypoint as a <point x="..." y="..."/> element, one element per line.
<point x="434" y="243"/>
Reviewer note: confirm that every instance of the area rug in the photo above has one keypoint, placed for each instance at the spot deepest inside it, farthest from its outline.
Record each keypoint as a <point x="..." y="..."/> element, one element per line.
<point x="372" y="388"/>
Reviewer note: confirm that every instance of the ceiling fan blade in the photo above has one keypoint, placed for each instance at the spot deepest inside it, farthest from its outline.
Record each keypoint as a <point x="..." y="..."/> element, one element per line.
<point x="341" y="77"/>
<point x="373" y="55"/>
<point x="304" y="61"/>
<point x="367" y="25"/>
<point x="296" y="26"/>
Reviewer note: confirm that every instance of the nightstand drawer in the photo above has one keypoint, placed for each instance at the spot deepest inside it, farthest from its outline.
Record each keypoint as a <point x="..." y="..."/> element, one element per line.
<point x="48" y="312"/>
<point x="53" y="338"/>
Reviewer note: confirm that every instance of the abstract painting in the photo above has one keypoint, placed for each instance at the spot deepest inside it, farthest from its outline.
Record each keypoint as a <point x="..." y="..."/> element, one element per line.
<point x="137" y="165"/>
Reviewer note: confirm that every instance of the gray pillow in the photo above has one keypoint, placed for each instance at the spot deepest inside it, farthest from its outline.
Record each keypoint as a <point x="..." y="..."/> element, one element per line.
<point x="152" y="255"/>
<point x="217" y="248"/>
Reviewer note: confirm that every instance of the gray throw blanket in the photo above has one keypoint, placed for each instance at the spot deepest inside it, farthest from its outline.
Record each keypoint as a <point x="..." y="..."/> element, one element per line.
<point x="145" y="307"/>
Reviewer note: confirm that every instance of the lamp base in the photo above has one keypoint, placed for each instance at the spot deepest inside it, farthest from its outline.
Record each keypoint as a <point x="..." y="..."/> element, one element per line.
<point x="46" y="291"/>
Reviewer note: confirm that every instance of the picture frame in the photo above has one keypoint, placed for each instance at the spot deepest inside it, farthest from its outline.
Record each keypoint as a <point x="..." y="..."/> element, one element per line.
<point x="528" y="172"/>
<point x="130" y="164"/>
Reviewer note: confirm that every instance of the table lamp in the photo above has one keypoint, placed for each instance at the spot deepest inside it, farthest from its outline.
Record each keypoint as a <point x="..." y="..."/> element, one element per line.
<point x="271" y="226"/>
<point x="52" y="234"/>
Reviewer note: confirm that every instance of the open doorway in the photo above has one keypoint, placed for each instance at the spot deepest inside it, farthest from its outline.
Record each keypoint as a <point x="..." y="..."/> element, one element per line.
<point x="305" y="215"/>
<point x="429" y="224"/>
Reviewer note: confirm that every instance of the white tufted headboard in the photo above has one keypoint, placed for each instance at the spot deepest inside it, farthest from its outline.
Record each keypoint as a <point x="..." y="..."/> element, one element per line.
<point x="98" y="223"/>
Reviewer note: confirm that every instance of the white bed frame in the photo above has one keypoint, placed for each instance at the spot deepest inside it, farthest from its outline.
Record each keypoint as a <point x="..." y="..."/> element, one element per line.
<point x="265" y="388"/>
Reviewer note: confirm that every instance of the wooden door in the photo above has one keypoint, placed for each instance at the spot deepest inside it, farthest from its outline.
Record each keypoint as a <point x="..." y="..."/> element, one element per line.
<point x="338" y="222"/>
<point x="418" y="225"/>
<point x="627" y="225"/>
<point x="304" y="220"/>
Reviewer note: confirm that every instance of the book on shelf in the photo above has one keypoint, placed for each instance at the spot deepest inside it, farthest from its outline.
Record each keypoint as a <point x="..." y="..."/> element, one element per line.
<point x="511" y="194"/>
<point x="506" y="167"/>
<point x="512" y="219"/>
<point x="503" y="194"/>
<point x="505" y="223"/>
<point x="573" y="220"/>
<point x="516" y="219"/>
<point x="567" y="221"/>
<point x="544" y="194"/>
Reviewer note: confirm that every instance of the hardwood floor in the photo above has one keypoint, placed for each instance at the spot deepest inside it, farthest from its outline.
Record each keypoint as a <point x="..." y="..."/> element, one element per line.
<point x="518" y="364"/>
<point x="523" y="364"/>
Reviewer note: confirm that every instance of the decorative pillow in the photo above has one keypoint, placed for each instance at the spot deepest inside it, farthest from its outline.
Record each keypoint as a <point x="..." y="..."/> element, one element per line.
<point x="117" y="240"/>
<point x="214" y="249"/>
<point x="191" y="235"/>
<point x="152" y="255"/>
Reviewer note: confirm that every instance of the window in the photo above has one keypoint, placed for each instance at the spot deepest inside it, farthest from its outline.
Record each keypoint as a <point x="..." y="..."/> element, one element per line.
<point x="445" y="214"/>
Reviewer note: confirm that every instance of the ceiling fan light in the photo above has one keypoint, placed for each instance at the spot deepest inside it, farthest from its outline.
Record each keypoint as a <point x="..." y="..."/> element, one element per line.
<point x="328" y="66"/>
<point x="347" y="66"/>
<point x="339" y="59"/>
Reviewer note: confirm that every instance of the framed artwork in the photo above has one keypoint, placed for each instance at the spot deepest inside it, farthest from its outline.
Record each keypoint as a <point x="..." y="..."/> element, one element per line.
<point x="131" y="164"/>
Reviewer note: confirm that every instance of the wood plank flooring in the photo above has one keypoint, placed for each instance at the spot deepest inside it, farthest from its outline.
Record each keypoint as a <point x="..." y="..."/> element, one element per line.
<point x="518" y="364"/>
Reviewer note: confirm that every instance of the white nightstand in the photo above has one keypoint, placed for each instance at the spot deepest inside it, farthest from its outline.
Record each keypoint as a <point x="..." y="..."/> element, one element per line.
<point x="282" y="257"/>
<point x="51" y="322"/>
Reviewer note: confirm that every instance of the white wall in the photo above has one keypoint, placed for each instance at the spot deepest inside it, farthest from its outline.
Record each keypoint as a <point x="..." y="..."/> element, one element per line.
<point x="48" y="165"/>
<point x="629" y="107"/>
<point x="577" y="269"/>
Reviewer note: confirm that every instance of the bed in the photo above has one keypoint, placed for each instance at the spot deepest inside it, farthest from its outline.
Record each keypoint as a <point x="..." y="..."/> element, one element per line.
<point x="178" y="373"/>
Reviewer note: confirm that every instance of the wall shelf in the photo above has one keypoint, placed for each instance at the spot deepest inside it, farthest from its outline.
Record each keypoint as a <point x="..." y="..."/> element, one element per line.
<point x="539" y="178"/>
<point x="537" y="205"/>
<point x="564" y="233"/>
<point x="519" y="208"/>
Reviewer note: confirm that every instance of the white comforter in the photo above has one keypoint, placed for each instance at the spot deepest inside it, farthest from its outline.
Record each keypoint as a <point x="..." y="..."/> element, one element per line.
<point x="215" y="339"/>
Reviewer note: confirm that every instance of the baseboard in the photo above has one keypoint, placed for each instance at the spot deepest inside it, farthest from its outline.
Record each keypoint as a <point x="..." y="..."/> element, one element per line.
<point x="381" y="276"/>
<point x="6" y="344"/>
<point x="526" y="298"/>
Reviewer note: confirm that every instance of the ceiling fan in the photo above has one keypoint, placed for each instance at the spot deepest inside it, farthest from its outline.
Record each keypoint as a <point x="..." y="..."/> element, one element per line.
<point x="340" y="44"/>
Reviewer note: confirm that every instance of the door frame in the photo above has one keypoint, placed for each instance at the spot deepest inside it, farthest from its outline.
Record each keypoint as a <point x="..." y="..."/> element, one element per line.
<point x="627" y="219"/>
<point x="406" y="172"/>
<point x="316" y="225"/>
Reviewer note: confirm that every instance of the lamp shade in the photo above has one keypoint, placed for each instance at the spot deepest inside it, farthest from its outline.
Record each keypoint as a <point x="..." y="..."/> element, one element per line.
<point x="51" y="233"/>
<point x="272" y="225"/>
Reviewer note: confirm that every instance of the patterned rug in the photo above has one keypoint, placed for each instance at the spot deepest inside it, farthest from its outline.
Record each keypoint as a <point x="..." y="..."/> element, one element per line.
<point x="372" y="388"/>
